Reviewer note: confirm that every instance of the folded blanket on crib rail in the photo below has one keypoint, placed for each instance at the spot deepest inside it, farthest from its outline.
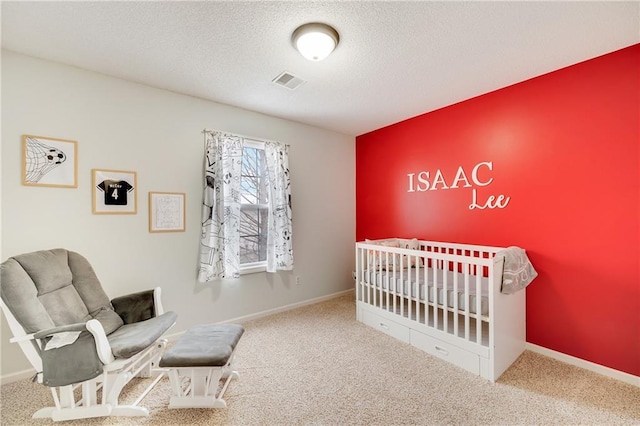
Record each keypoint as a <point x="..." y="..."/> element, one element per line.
<point x="518" y="271"/>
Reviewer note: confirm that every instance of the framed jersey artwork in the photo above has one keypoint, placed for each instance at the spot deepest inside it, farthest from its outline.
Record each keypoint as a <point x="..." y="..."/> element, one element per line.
<point x="114" y="192"/>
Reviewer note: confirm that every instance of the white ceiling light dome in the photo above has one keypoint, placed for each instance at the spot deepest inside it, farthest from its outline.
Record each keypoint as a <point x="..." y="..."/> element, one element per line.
<point x="315" y="41"/>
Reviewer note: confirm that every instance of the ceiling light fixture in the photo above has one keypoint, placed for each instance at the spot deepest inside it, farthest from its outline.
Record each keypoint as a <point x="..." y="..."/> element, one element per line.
<point x="315" y="41"/>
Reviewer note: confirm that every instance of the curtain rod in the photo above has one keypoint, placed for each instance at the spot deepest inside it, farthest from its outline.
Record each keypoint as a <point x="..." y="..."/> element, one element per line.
<point x="204" y="131"/>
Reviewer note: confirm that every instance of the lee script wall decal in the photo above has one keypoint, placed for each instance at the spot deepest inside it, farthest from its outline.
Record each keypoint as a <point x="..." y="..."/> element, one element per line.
<point x="422" y="182"/>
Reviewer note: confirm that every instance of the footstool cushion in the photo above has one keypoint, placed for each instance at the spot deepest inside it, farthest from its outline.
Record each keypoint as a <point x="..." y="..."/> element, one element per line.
<point x="206" y="345"/>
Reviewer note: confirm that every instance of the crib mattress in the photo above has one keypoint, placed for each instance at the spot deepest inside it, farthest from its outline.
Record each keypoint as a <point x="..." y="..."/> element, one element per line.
<point x="401" y="280"/>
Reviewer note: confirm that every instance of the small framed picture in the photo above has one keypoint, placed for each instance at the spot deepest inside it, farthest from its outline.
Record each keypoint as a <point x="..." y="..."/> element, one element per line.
<point x="49" y="162"/>
<point x="114" y="192"/>
<point x="167" y="211"/>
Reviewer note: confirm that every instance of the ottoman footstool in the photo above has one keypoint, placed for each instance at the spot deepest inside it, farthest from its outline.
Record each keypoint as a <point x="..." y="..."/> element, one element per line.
<point x="203" y="355"/>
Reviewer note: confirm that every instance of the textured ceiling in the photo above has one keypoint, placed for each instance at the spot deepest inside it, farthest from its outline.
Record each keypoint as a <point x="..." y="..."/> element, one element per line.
<point x="395" y="59"/>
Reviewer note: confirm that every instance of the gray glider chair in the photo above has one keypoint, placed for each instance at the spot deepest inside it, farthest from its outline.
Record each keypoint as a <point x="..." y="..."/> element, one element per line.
<point x="75" y="337"/>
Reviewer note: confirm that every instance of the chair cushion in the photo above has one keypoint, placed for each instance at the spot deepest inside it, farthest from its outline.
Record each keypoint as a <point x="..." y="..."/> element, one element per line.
<point x="205" y="345"/>
<point x="110" y="320"/>
<point x="135" y="307"/>
<point x="87" y="284"/>
<point x="21" y="297"/>
<point x="56" y="287"/>
<point x="130" y="339"/>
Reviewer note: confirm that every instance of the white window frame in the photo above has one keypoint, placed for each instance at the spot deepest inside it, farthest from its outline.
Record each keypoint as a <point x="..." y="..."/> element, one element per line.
<point x="254" y="267"/>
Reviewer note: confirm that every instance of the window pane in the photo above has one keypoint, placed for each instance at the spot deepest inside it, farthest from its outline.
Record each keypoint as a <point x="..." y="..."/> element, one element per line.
<point x="254" y="210"/>
<point x="253" y="234"/>
<point x="253" y="184"/>
<point x="250" y="176"/>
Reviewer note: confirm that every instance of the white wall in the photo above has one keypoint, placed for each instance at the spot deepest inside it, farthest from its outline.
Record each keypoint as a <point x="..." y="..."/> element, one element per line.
<point x="127" y="126"/>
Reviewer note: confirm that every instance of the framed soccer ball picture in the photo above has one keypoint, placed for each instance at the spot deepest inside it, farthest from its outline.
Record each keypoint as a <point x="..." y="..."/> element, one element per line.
<point x="49" y="162"/>
<point x="114" y="192"/>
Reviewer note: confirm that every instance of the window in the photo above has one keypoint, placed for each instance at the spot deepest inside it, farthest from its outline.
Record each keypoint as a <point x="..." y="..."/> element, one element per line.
<point x="244" y="181"/>
<point x="254" y="208"/>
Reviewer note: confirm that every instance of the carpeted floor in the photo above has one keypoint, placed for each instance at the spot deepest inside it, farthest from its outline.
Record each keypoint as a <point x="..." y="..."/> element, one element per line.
<point x="318" y="366"/>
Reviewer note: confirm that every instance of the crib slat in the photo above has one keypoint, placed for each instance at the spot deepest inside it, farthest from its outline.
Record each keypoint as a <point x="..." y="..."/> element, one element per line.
<point x="417" y="295"/>
<point x="445" y="296"/>
<point x="466" y="301"/>
<point x="380" y="290"/>
<point x="382" y="272"/>
<point x="409" y="284"/>
<point x="455" y="298"/>
<point x="387" y="292"/>
<point x="392" y="286"/>
<point x="364" y="268"/>
<point x="436" y="309"/>
<point x="373" y="279"/>
<point x="478" y="304"/>
<point x="358" y="268"/>
<point x="401" y="289"/>
<point x="378" y="281"/>
<point x="427" y="290"/>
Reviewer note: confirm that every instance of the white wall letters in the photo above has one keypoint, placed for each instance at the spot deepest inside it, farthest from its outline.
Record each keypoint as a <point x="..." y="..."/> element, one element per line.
<point x="439" y="181"/>
<point x="474" y="173"/>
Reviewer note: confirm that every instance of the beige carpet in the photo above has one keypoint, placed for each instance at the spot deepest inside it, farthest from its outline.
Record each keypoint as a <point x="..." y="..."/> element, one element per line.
<point x="317" y="365"/>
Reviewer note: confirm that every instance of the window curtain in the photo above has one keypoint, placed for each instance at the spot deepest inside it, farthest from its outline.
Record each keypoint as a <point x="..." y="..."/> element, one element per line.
<point x="279" y="239"/>
<point x="220" y="239"/>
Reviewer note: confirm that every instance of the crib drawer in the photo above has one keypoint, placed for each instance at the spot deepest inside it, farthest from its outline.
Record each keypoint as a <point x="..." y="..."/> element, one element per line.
<point x="391" y="328"/>
<point x="448" y="352"/>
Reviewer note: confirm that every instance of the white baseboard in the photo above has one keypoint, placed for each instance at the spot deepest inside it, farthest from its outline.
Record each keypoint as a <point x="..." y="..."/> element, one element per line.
<point x="20" y="375"/>
<point x="239" y="320"/>
<point x="25" y="374"/>
<point x="268" y="312"/>
<point x="587" y="365"/>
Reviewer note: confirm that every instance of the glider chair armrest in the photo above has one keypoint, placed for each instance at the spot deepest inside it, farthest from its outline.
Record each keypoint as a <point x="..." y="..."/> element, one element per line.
<point x="103" y="349"/>
<point x="81" y="326"/>
<point x="24" y="338"/>
<point x="139" y="306"/>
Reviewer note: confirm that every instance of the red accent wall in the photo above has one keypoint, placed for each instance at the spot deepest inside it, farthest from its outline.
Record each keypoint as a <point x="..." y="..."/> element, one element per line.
<point x="564" y="148"/>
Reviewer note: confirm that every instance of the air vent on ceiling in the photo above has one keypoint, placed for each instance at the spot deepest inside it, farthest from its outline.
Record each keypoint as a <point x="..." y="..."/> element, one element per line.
<point x="288" y="80"/>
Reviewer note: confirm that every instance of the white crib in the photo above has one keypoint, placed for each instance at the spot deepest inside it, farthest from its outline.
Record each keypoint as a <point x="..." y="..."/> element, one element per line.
<point x="442" y="298"/>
